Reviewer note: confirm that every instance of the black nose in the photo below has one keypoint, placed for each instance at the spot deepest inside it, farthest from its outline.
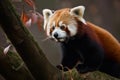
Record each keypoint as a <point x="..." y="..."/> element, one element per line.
<point x="56" y="35"/>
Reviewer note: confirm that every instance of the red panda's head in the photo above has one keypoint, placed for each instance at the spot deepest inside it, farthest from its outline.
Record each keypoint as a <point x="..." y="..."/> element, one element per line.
<point x="61" y="24"/>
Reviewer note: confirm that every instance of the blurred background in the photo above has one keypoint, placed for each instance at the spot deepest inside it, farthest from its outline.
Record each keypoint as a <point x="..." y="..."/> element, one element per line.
<point x="104" y="13"/>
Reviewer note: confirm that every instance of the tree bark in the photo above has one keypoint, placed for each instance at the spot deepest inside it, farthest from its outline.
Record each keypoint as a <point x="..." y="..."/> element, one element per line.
<point x="12" y="67"/>
<point x="1" y="77"/>
<point x="25" y="44"/>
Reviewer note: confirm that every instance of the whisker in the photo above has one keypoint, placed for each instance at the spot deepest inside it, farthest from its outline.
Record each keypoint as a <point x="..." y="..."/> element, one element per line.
<point x="46" y="38"/>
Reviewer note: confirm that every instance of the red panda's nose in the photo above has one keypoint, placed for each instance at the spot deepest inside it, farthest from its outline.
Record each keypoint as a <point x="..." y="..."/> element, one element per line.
<point x="56" y="35"/>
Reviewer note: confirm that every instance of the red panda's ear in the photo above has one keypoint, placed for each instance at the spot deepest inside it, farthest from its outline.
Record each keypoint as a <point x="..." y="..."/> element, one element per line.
<point x="78" y="12"/>
<point x="46" y="14"/>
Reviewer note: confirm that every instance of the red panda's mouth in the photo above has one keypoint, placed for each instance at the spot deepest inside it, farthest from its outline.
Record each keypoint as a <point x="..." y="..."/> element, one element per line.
<point x="60" y="39"/>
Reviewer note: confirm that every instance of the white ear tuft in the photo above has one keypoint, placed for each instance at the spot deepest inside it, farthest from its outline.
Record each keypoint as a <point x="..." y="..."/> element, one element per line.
<point x="78" y="12"/>
<point x="46" y="14"/>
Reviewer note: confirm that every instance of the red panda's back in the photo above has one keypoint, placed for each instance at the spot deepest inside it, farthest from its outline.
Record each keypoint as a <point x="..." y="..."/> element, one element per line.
<point x="110" y="44"/>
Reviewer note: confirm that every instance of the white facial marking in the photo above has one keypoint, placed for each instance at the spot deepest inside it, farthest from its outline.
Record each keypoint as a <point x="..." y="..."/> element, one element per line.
<point x="61" y="34"/>
<point x="60" y="23"/>
<point x="73" y="29"/>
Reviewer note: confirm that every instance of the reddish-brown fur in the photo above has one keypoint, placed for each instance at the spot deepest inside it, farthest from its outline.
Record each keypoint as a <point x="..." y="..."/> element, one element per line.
<point x="61" y="15"/>
<point x="110" y="44"/>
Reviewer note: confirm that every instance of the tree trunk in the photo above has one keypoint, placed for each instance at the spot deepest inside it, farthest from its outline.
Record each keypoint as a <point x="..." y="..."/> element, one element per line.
<point x="12" y="67"/>
<point x="25" y="44"/>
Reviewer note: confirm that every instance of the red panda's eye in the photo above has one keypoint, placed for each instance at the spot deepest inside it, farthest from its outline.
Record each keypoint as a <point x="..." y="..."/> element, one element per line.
<point x="53" y="27"/>
<point x="62" y="27"/>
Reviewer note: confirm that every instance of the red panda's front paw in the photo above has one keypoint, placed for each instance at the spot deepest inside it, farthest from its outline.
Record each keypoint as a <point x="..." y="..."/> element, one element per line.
<point x="61" y="67"/>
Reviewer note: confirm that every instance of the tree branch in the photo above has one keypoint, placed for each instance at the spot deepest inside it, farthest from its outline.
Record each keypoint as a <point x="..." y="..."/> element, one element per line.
<point x="25" y="44"/>
<point x="12" y="67"/>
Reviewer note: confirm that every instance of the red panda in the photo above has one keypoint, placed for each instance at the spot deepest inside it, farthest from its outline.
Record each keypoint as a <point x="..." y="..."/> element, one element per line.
<point x="82" y="41"/>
